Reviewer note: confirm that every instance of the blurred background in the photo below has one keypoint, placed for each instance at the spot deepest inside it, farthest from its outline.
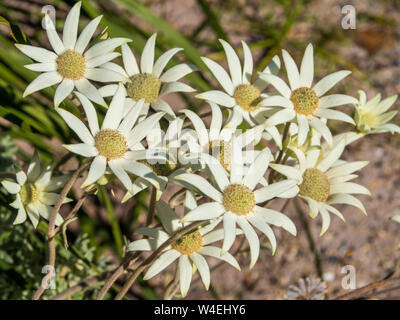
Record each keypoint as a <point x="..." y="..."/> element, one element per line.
<point x="371" y="51"/>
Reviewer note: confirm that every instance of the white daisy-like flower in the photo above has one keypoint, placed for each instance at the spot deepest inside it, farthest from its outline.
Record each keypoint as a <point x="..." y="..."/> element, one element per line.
<point x="150" y="82"/>
<point x="189" y="249"/>
<point x="323" y="180"/>
<point x="235" y="200"/>
<point x="305" y="104"/>
<point x="217" y="139"/>
<point x="170" y="144"/>
<point x="35" y="192"/>
<point x="371" y="115"/>
<point x="70" y="65"/>
<point x="241" y="94"/>
<point x="117" y="144"/>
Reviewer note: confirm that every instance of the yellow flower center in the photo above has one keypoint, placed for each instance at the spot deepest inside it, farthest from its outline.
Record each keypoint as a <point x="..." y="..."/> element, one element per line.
<point x="144" y="85"/>
<point x="221" y="150"/>
<point x="29" y="193"/>
<point x="161" y="169"/>
<point x="238" y="199"/>
<point x="189" y="243"/>
<point x="305" y="101"/>
<point x="368" y="119"/>
<point x="247" y="97"/>
<point x="315" y="185"/>
<point x="71" y="65"/>
<point x="110" y="144"/>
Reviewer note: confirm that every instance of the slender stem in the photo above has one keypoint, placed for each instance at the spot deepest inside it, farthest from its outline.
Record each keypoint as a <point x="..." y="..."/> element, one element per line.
<point x="154" y="256"/>
<point x="73" y="212"/>
<point x="51" y="229"/>
<point x="378" y="293"/>
<point x="280" y="155"/>
<point x="152" y="206"/>
<point x="80" y="286"/>
<point x="311" y="242"/>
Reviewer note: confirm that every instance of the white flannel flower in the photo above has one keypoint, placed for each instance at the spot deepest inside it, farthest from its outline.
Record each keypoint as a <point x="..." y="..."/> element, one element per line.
<point x="323" y="180"/>
<point x="371" y="115"/>
<point x="240" y="93"/>
<point x="170" y="144"/>
<point x="149" y="82"/>
<point x="235" y="200"/>
<point x="217" y="140"/>
<point x="117" y="144"/>
<point x="69" y="65"/>
<point x="35" y="192"/>
<point x="189" y="249"/>
<point x="304" y="103"/>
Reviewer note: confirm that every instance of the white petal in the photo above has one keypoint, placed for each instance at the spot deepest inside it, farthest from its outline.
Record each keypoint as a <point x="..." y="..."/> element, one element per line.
<point x="108" y="90"/>
<point x="332" y="156"/>
<point x="21" y="177"/>
<point x="277" y="101"/>
<point x="154" y="233"/>
<point x="257" y="169"/>
<point x="144" y="245"/>
<point x="216" y="253"/>
<point x="162" y="106"/>
<point x="143" y="171"/>
<point x="38" y="54"/>
<point x="303" y="129"/>
<point x="116" y="109"/>
<point x="103" y="75"/>
<point x="229" y="232"/>
<point x="334" y="115"/>
<point x="198" y="125"/>
<point x="322" y="129"/>
<point x="91" y="113"/>
<point x="169" y="219"/>
<point x="218" y="173"/>
<point x="209" y="210"/>
<point x="90" y="91"/>
<point x="147" y="58"/>
<point x="217" y="97"/>
<point x="11" y="186"/>
<point x="163" y="60"/>
<point x="42" y="66"/>
<point x="216" y="121"/>
<point x="63" y="90"/>
<point x="203" y="268"/>
<point x="292" y="71"/>
<point x="201" y="184"/>
<point x="276" y="218"/>
<point x="233" y="63"/>
<point x="334" y="100"/>
<point x="220" y="74"/>
<point x="143" y="128"/>
<point x="130" y="119"/>
<point x="273" y="190"/>
<point x="248" y="63"/>
<point x="33" y="215"/>
<point x="252" y="238"/>
<point x="70" y="30"/>
<point x="185" y="274"/>
<point x="161" y="263"/>
<point x="97" y="169"/>
<point x="347" y="199"/>
<point x="116" y="68"/>
<point x="260" y="224"/>
<point x="102" y="59"/>
<point x="49" y="198"/>
<point x="314" y="207"/>
<point x="281" y="116"/>
<point x="329" y="81"/>
<point x="77" y="126"/>
<point x="129" y="60"/>
<point x="346" y="168"/>
<point x="349" y="187"/>
<point x="326" y="220"/>
<point x="53" y="37"/>
<point x="104" y="47"/>
<point x="42" y="81"/>
<point x="34" y="168"/>
<point x="82" y="149"/>
<point x="171" y="87"/>
<point x="177" y="72"/>
<point x="278" y="83"/>
<point x="86" y="35"/>
<point x="335" y="211"/>
<point x="21" y="215"/>
<point x="237" y="169"/>
<point x="307" y="67"/>
<point x="272" y="68"/>
<point x="118" y="169"/>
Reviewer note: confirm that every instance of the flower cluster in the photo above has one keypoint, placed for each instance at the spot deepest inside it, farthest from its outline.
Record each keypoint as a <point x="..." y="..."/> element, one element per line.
<point x="286" y="151"/>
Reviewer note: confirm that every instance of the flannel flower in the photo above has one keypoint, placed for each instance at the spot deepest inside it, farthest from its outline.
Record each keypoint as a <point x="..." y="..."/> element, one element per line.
<point x="149" y="82"/>
<point x="371" y="115"/>
<point x="70" y="65"/>
<point x="117" y="143"/>
<point x="35" y="192"/>
<point x="234" y="199"/>
<point x="170" y="144"/>
<point x="323" y="180"/>
<point x="307" y="105"/>
<point x="241" y="94"/>
<point x="217" y="140"/>
<point x="188" y="249"/>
